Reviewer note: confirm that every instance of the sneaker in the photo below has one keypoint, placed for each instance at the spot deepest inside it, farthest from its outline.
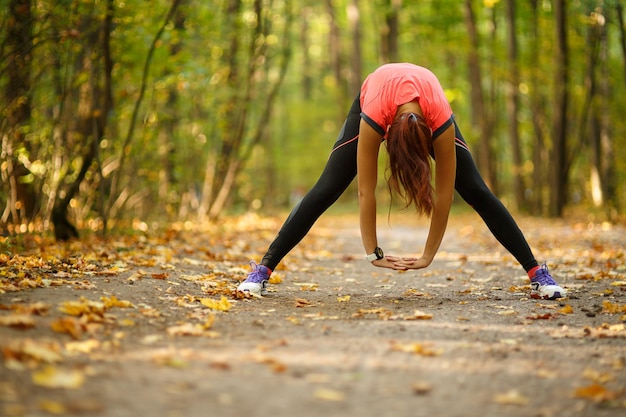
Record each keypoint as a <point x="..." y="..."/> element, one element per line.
<point x="256" y="283"/>
<point x="544" y="287"/>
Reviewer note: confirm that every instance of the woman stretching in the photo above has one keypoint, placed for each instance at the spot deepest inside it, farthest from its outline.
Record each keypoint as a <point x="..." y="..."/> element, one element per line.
<point x="404" y="105"/>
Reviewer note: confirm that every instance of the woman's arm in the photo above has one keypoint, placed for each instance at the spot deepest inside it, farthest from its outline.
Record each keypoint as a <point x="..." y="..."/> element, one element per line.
<point x="445" y="175"/>
<point x="367" y="175"/>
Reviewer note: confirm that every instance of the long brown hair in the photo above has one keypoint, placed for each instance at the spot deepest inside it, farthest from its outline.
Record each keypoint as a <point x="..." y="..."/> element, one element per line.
<point x="409" y="144"/>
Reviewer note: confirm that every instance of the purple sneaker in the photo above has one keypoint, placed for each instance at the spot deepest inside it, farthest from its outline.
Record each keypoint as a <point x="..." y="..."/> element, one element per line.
<point x="256" y="283"/>
<point x="544" y="287"/>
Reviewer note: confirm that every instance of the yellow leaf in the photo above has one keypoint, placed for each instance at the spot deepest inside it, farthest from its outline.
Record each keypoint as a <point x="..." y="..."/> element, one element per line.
<point x="511" y="398"/>
<point x="343" y="299"/>
<point x="52" y="407"/>
<point x="114" y="302"/>
<point x="598" y="377"/>
<point x="222" y="305"/>
<point x="52" y="377"/>
<point x="507" y="313"/>
<point x="275" y="279"/>
<point x="329" y="395"/>
<point x="421" y="388"/>
<point x="82" y="307"/>
<point x="69" y="325"/>
<point x="419" y="315"/>
<point x="83" y="346"/>
<point x="209" y="322"/>
<point x="566" y="310"/>
<point x="609" y="307"/>
<point x="595" y="392"/>
<point x="28" y="350"/>
<point x="302" y="302"/>
<point x="186" y="329"/>
<point x="19" y="321"/>
<point x="417" y="348"/>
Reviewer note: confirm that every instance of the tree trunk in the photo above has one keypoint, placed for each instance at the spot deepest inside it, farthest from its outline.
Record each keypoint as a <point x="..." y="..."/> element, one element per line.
<point x="390" y="31"/>
<point x="117" y="197"/>
<point x="21" y="204"/>
<point x="512" y="101"/>
<point x="622" y="32"/>
<point x="607" y="138"/>
<point x="307" y="78"/>
<point x="537" y="106"/>
<point x="559" y="174"/>
<point x="94" y="103"/>
<point x="239" y="152"/>
<point x="170" y="114"/>
<point x="356" y="59"/>
<point x="479" y="110"/>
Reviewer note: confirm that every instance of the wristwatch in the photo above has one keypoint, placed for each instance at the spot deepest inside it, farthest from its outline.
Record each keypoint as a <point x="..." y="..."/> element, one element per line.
<point x="378" y="254"/>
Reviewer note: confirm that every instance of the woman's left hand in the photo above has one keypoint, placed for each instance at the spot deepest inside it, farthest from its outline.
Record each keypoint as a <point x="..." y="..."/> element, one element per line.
<point x="405" y="263"/>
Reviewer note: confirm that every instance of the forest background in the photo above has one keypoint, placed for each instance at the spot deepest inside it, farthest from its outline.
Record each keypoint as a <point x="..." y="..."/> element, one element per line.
<point x="136" y="113"/>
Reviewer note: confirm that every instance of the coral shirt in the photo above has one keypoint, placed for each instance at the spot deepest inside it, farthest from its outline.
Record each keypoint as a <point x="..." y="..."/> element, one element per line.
<point x="392" y="85"/>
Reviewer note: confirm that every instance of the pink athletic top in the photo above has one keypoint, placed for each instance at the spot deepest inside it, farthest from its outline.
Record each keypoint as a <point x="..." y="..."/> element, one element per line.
<point x="392" y="85"/>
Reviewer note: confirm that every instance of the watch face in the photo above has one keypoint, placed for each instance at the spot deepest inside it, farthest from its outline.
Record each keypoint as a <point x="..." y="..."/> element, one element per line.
<point x="379" y="253"/>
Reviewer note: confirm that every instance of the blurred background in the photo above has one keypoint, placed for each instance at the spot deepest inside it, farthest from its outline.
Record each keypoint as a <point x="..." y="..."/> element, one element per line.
<point x="138" y="113"/>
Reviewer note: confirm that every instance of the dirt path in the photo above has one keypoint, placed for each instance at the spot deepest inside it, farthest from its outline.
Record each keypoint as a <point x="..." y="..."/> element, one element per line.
<point x="336" y="337"/>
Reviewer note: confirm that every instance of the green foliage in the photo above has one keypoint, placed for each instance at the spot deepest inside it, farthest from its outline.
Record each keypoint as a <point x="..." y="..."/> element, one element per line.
<point x="198" y="94"/>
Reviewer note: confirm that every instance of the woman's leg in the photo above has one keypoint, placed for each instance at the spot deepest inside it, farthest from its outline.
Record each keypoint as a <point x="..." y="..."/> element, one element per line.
<point x="339" y="172"/>
<point x="475" y="192"/>
<point x="472" y="188"/>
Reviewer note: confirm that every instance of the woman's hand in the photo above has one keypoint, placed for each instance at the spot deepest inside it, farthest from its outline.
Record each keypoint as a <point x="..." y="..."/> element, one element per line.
<point x="384" y="263"/>
<point x="406" y="263"/>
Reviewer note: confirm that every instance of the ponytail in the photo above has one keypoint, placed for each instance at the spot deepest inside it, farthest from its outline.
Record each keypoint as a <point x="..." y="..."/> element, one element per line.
<point x="409" y="144"/>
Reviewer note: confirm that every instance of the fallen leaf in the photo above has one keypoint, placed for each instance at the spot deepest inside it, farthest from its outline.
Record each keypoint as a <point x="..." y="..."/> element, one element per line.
<point x="53" y="377"/>
<point x="546" y="316"/>
<point x="186" y="329"/>
<point x="611" y="308"/>
<point x="566" y="310"/>
<point x="512" y="397"/>
<point x="275" y="279"/>
<point x="69" y="325"/>
<point x="17" y="321"/>
<point x="416" y="348"/>
<point x="302" y="302"/>
<point x="114" y="302"/>
<point x="329" y="395"/>
<point x="381" y="312"/>
<point x="596" y="393"/>
<point x="84" y="346"/>
<point x="82" y="307"/>
<point x="598" y="377"/>
<point x="307" y="286"/>
<point x="28" y="350"/>
<point x="419" y="315"/>
<point x="39" y="308"/>
<point x="136" y="276"/>
<point x="421" y="388"/>
<point x="52" y="407"/>
<point x="222" y="305"/>
<point x="507" y="313"/>
<point x="274" y="364"/>
<point x="343" y="299"/>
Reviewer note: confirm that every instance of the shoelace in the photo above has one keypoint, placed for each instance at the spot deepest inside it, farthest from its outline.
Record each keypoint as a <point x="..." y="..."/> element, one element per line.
<point x="543" y="277"/>
<point x="258" y="275"/>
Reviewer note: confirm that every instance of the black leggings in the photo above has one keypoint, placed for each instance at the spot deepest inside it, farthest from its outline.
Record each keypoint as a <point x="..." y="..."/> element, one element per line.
<point x="340" y="170"/>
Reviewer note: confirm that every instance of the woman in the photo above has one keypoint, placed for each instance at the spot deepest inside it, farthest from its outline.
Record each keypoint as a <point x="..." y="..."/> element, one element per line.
<point x="404" y="105"/>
